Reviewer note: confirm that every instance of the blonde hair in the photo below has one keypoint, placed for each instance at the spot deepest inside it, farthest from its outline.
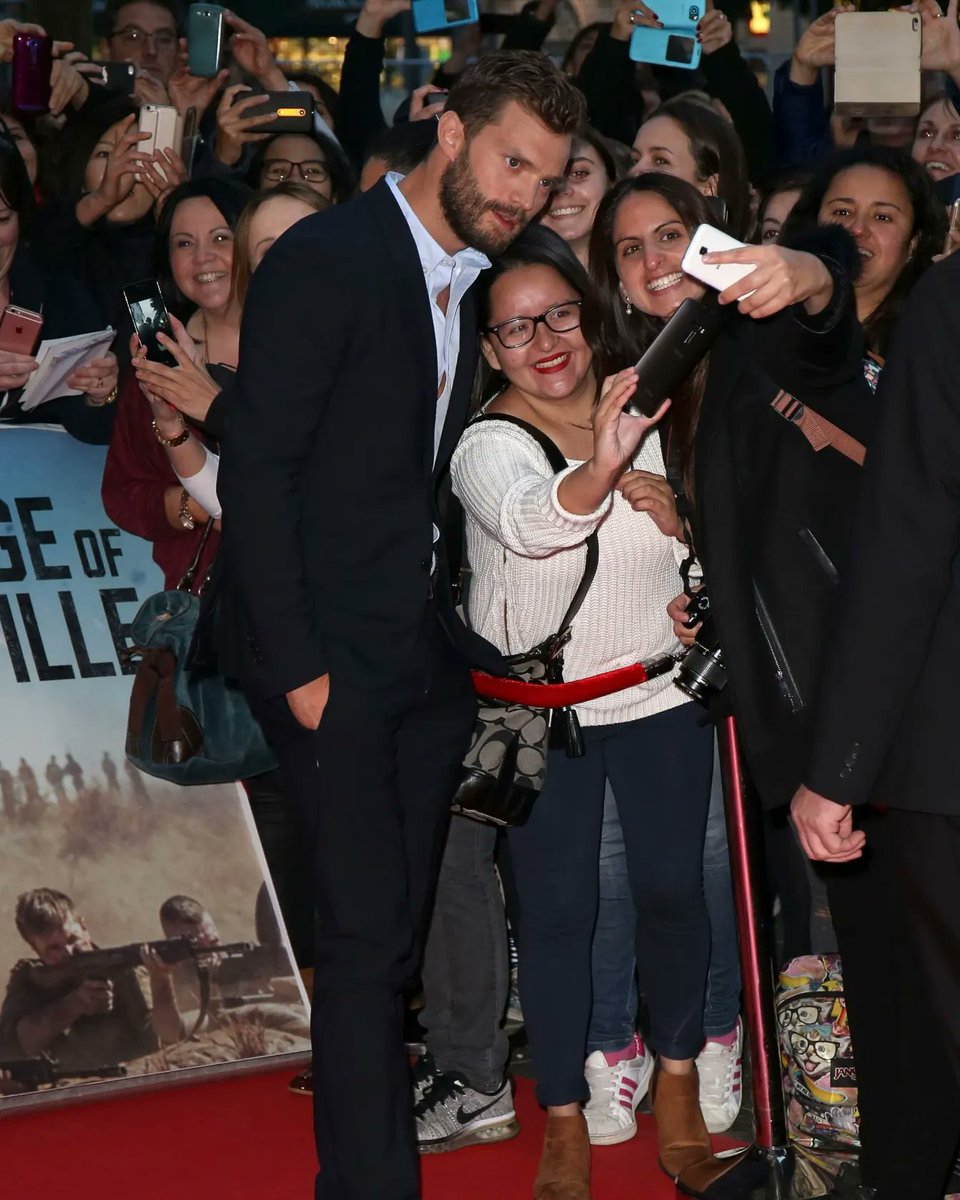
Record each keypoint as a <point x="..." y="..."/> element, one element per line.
<point x="242" y="266"/>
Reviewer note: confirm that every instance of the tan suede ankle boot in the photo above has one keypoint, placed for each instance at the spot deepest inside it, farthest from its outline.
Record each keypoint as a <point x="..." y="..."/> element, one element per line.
<point x="682" y="1137"/>
<point x="564" y="1171"/>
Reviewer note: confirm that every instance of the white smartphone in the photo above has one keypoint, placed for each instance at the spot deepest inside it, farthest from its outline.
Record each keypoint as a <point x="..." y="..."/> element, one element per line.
<point x="163" y="123"/>
<point x="707" y="240"/>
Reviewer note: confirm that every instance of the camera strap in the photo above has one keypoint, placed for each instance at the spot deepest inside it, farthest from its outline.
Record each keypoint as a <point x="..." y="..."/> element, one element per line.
<point x="818" y="431"/>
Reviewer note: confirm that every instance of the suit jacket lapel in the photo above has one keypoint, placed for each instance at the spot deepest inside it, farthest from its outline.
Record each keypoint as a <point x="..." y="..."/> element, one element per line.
<point x="406" y="279"/>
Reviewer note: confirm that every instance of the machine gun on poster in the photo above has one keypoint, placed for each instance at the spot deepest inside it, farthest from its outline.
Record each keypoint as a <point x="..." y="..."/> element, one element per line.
<point x="45" y="1069"/>
<point x="104" y="964"/>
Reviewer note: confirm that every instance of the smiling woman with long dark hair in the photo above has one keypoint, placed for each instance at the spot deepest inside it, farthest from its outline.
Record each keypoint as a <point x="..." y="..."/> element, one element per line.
<point x="773" y="499"/>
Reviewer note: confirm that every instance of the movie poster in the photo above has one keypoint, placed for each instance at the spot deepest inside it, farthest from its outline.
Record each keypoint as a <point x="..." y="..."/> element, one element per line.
<point x="139" y="937"/>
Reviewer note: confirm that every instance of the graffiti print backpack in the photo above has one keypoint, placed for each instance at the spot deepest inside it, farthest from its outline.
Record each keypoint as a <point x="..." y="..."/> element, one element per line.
<point x="819" y="1074"/>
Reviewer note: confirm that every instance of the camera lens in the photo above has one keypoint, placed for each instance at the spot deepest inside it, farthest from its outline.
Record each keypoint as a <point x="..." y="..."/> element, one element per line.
<point x="701" y="673"/>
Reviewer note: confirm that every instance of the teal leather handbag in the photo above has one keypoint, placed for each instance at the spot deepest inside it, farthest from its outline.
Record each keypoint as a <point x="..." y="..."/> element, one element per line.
<point x="186" y="723"/>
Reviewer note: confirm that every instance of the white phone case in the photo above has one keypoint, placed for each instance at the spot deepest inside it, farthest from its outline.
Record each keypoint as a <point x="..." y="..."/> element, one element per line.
<point x="706" y="240"/>
<point x="164" y="124"/>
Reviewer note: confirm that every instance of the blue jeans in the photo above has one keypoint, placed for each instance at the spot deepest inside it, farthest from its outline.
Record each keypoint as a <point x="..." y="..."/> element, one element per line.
<point x="660" y="769"/>
<point x="614" y="1015"/>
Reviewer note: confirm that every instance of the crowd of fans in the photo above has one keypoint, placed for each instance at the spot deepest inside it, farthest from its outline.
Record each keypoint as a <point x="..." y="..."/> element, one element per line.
<point x="603" y="888"/>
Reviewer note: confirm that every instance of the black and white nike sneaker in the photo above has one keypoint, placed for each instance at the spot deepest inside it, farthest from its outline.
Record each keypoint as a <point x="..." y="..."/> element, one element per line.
<point x="451" y="1114"/>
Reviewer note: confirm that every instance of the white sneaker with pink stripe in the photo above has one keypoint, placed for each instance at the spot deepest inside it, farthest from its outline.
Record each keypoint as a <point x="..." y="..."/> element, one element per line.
<point x="720" y="1067"/>
<point x="615" y="1092"/>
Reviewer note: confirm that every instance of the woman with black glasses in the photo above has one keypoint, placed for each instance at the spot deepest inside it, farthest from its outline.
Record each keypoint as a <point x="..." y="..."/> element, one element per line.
<point x="526" y="528"/>
<point x="308" y="158"/>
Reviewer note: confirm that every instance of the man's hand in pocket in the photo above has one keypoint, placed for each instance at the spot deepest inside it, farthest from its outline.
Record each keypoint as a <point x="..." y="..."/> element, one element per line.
<point x="308" y="701"/>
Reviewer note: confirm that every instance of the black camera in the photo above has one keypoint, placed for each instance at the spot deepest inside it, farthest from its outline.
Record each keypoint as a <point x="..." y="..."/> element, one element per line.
<point x="701" y="671"/>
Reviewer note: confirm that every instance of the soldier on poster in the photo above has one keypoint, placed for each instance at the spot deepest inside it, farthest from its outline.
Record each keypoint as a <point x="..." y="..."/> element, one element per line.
<point x="8" y="795"/>
<point x="82" y="1022"/>
<point x="137" y="785"/>
<point x="31" y="808"/>
<point x="54" y="775"/>
<point x="109" y="769"/>
<point x="72" y="768"/>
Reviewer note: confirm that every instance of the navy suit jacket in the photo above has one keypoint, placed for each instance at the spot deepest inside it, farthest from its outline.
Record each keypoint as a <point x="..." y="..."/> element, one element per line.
<point x="327" y="478"/>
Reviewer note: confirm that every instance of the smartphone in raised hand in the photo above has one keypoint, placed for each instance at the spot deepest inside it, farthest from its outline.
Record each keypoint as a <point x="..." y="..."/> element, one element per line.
<point x="674" y="353"/>
<point x="32" y="65"/>
<point x="149" y="316"/>
<point x="707" y="240"/>
<point x="206" y="39"/>
<point x="165" y="127"/>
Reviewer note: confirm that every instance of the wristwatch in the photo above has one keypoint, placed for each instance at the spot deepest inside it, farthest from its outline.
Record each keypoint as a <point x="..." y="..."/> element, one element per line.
<point x="187" y="519"/>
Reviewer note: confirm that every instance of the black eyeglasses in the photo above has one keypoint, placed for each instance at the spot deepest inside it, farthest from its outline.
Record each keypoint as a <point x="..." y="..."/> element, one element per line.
<point x="277" y="170"/>
<point x="132" y="36"/>
<point x="518" y="331"/>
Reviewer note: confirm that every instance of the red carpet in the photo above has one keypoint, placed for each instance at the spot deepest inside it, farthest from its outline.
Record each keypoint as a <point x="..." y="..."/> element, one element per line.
<point x="250" y="1139"/>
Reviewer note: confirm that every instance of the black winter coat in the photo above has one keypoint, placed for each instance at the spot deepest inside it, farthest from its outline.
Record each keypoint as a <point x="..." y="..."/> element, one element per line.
<point x="773" y="516"/>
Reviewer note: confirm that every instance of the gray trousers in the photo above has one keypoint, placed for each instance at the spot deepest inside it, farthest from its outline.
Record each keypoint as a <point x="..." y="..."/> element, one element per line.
<point x="465" y="969"/>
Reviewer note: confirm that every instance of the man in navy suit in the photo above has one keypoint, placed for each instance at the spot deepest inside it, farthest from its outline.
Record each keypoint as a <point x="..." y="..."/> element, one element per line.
<point x="357" y="357"/>
<point x="881" y="805"/>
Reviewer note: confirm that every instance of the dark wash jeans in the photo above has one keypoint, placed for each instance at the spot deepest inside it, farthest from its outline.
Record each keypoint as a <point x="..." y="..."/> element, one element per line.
<point x="660" y="770"/>
<point x="613" y="1018"/>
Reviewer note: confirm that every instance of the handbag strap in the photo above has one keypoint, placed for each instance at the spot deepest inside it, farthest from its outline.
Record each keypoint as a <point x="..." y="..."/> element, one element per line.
<point x="558" y="463"/>
<point x="818" y="431"/>
<point x="190" y="574"/>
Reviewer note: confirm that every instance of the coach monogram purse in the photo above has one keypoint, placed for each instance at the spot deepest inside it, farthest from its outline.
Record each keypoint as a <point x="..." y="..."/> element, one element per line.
<point x="504" y="769"/>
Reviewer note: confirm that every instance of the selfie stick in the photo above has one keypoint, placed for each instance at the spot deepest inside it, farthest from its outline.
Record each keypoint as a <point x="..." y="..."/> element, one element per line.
<point x="765" y="1171"/>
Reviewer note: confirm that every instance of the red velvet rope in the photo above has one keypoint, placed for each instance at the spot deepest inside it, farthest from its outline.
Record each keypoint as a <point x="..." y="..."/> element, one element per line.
<point x="559" y="695"/>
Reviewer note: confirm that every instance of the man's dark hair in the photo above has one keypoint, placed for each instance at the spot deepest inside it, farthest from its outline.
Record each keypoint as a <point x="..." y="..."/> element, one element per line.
<point x="525" y="76"/>
<point x="42" y="910"/>
<point x="171" y="6"/>
<point x="403" y="147"/>
<point x="183" y="910"/>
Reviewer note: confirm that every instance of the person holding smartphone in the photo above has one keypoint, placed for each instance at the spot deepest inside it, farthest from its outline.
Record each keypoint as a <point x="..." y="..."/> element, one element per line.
<point x="193" y="266"/>
<point x="63" y="307"/>
<point x="772" y="518"/>
<point x="102" y="221"/>
<point x="525" y="529"/>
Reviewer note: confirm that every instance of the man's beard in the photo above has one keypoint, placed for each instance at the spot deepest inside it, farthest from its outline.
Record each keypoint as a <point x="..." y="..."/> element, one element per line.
<point x="464" y="205"/>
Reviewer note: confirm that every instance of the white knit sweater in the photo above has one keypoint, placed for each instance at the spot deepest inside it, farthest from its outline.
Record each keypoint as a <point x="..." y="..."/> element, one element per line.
<point x="527" y="556"/>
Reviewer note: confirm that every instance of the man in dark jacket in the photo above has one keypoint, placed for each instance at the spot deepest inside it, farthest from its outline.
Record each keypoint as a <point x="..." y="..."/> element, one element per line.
<point x="357" y="356"/>
<point x="886" y="721"/>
